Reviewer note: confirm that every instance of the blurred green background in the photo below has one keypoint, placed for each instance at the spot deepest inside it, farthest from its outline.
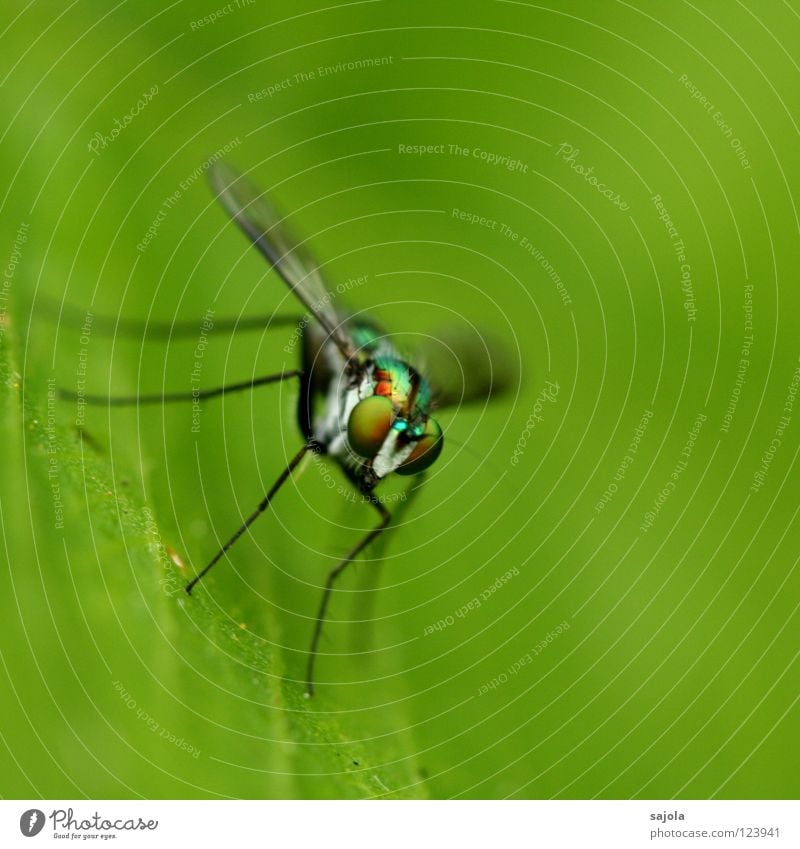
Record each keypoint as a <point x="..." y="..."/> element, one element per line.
<point x="631" y="536"/>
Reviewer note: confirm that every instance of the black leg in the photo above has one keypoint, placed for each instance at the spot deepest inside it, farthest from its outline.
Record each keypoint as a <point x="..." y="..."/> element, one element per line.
<point x="190" y="329"/>
<point x="326" y="593"/>
<point x="109" y="325"/>
<point x="129" y="400"/>
<point x="368" y="580"/>
<point x="282" y="478"/>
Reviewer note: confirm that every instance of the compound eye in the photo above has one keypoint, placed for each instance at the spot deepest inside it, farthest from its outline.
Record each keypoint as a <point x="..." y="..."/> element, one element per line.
<point x="425" y="452"/>
<point x="369" y="425"/>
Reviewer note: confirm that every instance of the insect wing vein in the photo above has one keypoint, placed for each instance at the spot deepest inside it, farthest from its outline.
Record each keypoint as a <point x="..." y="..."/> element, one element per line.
<point x="264" y="226"/>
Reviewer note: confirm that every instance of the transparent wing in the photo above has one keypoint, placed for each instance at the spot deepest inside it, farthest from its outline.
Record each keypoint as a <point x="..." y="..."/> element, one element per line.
<point x="465" y="367"/>
<point x="265" y="228"/>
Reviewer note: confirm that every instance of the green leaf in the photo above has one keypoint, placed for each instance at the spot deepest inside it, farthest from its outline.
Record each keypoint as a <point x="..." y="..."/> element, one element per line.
<point x="126" y="684"/>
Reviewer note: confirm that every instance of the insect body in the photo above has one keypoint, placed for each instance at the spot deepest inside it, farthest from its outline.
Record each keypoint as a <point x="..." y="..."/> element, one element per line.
<point x="360" y="402"/>
<point x="375" y="414"/>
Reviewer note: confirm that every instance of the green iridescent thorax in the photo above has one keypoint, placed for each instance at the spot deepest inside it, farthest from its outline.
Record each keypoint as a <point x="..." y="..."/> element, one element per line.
<point x="365" y="335"/>
<point x="408" y="391"/>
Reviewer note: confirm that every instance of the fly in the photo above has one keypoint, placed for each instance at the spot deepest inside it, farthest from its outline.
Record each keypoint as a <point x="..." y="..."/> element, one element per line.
<point x="360" y="402"/>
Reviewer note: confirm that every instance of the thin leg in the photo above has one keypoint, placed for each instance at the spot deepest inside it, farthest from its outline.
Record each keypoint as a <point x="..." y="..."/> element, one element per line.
<point x="369" y="579"/>
<point x="326" y="593"/>
<point x="190" y="329"/>
<point x="109" y="325"/>
<point x="129" y="400"/>
<point x="282" y="478"/>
